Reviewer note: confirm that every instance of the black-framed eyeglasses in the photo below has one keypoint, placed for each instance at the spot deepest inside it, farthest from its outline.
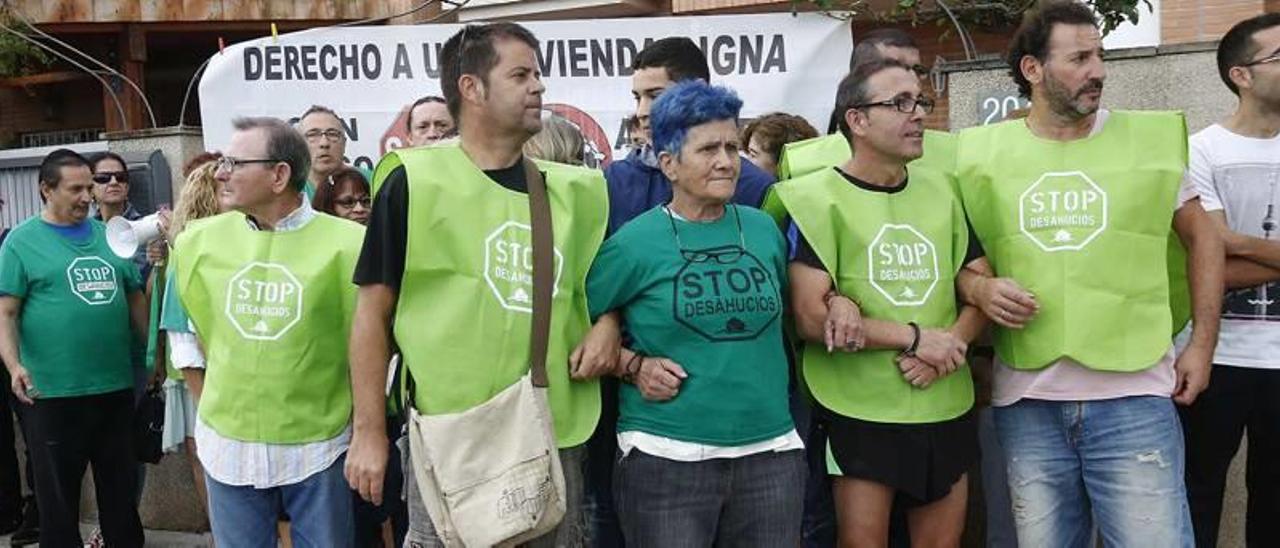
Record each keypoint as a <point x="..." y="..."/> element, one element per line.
<point x="229" y="163"/>
<point x="351" y="202"/>
<point x="725" y="254"/>
<point x="315" y="135"/>
<point x="919" y="69"/>
<point x="104" y="177"/>
<point x="905" y="105"/>
<point x="1265" y="60"/>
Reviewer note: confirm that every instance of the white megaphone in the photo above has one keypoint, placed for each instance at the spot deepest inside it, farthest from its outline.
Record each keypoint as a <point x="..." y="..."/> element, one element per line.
<point x="124" y="236"/>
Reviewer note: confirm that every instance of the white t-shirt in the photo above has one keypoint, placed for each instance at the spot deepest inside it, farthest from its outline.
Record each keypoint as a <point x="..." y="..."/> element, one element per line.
<point x="1068" y="380"/>
<point x="1239" y="175"/>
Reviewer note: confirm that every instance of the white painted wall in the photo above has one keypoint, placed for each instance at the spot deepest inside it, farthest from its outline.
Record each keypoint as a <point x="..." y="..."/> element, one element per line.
<point x="1144" y="34"/>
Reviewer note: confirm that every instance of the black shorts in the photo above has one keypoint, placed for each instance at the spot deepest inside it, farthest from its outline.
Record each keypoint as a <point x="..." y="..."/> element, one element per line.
<point x="920" y="461"/>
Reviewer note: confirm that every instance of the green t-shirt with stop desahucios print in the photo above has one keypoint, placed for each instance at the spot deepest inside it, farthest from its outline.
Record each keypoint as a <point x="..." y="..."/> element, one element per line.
<point x="74" y="333"/>
<point x="713" y="304"/>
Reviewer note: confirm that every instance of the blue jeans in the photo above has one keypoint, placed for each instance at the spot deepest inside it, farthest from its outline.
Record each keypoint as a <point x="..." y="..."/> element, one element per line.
<point x="319" y="510"/>
<point x="1118" y="462"/>
<point x="756" y="500"/>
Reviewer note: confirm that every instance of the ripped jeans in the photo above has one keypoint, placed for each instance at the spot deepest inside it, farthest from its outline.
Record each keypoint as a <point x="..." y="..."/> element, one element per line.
<point x="1118" y="463"/>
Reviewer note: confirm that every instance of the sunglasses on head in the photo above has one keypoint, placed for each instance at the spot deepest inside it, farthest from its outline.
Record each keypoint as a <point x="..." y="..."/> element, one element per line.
<point x="105" y="177"/>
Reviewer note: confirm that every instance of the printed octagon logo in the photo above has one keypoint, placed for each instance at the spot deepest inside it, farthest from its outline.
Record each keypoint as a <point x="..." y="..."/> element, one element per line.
<point x="1063" y="211"/>
<point x="903" y="265"/>
<point x="93" y="280"/>
<point x="727" y="296"/>
<point x="264" y="301"/>
<point x="508" y="266"/>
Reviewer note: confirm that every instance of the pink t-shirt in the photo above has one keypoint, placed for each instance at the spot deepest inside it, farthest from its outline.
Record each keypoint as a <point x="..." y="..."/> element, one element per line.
<point x="1068" y="380"/>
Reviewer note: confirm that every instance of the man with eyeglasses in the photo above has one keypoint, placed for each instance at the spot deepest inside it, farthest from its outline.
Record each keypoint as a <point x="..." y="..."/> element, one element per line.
<point x="879" y="44"/>
<point x="823" y="153"/>
<point x="327" y="140"/>
<point x="1235" y="166"/>
<point x="1075" y="207"/>
<point x="71" y="312"/>
<point x="804" y="157"/>
<point x="878" y="243"/>
<point x="264" y="288"/>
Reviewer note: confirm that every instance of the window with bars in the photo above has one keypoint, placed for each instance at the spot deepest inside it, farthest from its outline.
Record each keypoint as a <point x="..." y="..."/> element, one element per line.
<point x="62" y="137"/>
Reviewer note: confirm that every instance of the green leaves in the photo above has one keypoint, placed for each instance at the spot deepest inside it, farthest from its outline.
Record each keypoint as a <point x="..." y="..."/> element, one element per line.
<point x="18" y="57"/>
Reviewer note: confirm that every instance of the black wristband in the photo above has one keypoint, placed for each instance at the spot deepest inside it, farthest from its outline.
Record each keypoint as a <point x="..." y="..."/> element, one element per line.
<point x="628" y="372"/>
<point x="915" y="340"/>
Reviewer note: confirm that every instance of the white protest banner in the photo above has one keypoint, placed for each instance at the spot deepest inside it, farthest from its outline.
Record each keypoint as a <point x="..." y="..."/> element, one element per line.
<point x="370" y="75"/>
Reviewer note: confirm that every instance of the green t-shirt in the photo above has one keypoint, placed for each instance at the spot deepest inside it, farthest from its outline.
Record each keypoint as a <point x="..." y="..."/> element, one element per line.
<point x="712" y="309"/>
<point x="160" y="298"/>
<point x="173" y="317"/>
<point x="74" y="329"/>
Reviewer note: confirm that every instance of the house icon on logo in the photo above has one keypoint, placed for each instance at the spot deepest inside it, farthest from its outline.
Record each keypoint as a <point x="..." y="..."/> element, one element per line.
<point x="1061" y="236"/>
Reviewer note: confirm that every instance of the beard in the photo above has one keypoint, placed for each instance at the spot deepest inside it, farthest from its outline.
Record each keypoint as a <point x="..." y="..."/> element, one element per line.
<point x="1068" y="103"/>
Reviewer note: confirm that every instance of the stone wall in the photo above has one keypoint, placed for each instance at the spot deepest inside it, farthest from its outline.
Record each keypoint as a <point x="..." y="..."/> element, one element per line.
<point x="179" y="145"/>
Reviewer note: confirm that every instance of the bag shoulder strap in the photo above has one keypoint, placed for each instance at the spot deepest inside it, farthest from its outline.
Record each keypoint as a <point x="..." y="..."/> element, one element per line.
<point x="543" y="272"/>
<point x="543" y="280"/>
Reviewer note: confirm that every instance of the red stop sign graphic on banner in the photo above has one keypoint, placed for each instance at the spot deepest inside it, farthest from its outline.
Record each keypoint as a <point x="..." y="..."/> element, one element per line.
<point x="598" y="151"/>
<point x="598" y="147"/>
<point x="397" y="135"/>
